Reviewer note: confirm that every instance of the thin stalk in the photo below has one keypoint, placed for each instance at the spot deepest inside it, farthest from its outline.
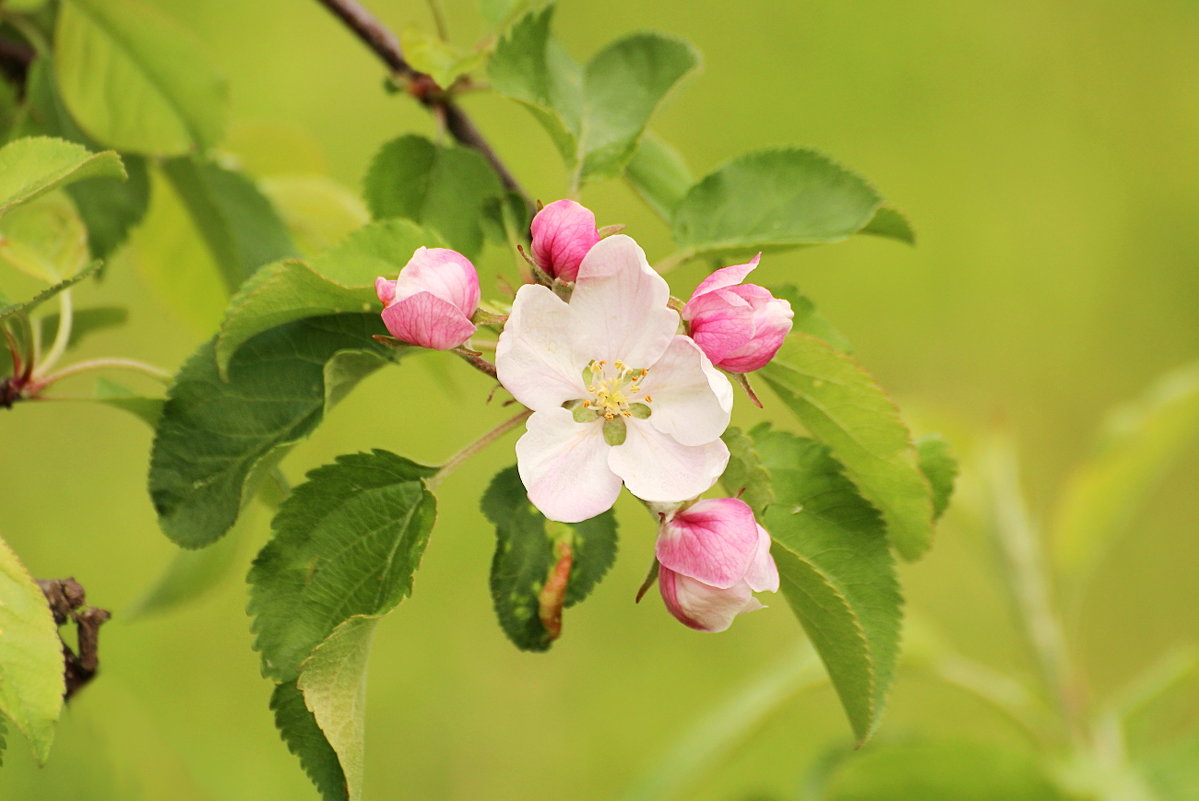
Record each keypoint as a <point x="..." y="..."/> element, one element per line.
<point x="470" y="450"/>
<point x="443" y="31"/>
<point x="63" y="335"/>
<point x="101" y="364"/>
<point x="476" y="361"/>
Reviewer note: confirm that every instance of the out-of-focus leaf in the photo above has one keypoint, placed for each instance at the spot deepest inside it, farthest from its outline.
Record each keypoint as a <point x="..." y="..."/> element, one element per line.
<point x="85" y="322"/>
<point x="808" y="320"/>
<point x="836" y="571"/>
<point x="1142" y="440"/>
<point x="305" y="739"/>
<point x="441" y="60"/>
<point x="216" y="436"/>
<point x="31" y="663"/>
<point x="746" y="477"/>
<point x="659" y="174"/>
<point x="498" y="13"/>
<point x="840" y="404"/>
<point x="940" y="467"/>
<point x="318" y="211"/>
<point x="239" y="226"/>
<point x="110" y="393"/>
<point x="891" y="223"/>
<point x="541" y="567"/>
<point x="135" y="80"/>
<point x="45" y="239"/>
<point x="341" y="279"/>
<point x="346" y="542"/>
<point x="936" y="771"/>
<point x="772" y="199"/>
<point x="48" y="292"/>
<point x="36" y="164"/>
<point x="1173" y="773"/>
<point x="445" y="188"/>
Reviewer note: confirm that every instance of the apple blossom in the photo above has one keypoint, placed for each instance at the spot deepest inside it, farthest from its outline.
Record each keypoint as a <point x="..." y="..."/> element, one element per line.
<point x="562" y="234"/>
<point x="739" y="326"/>
<point x="431" y="302"/>
<point x="618" y="396"/>
<point x="712" y="557"/>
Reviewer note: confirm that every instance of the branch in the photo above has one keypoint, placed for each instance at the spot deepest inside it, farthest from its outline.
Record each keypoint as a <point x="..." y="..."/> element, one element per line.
<point x="384" y="44"/>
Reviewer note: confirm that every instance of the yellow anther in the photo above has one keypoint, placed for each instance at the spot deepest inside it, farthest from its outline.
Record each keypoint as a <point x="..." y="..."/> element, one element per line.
<point x="586" y="404"/>
<point x="648" y="399"/>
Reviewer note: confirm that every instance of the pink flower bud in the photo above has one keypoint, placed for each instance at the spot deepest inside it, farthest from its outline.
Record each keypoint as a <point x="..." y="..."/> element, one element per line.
<point x="563" y="232"/>
<point x="432" y="301"/>
<point x="739" y="326"/>
<point x="712" y="557"/>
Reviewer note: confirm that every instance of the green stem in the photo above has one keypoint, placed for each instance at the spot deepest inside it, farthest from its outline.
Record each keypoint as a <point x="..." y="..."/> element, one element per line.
<point x="443" y="31"/>
<point x="101" y="364"/>
<point x="476" y="446"/>
<point x="63" y="335"/>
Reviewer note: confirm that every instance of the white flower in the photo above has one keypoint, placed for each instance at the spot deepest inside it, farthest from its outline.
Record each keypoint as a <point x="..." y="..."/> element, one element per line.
<point x="617" y="394"/>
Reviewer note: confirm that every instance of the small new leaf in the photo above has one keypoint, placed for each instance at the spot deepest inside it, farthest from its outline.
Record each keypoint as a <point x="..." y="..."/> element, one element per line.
<point x="940" y="467"/>
<point x="34" y="165"/>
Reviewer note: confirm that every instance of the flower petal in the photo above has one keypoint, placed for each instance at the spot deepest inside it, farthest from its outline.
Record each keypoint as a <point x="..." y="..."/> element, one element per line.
<point x="691" y="399"/>
<point x="713" y="541"/>
<point x="763" y="573"/>
<point x="564" y="467"/>
<point x="655" y="467"/>
<point x="726" y="276"/>
<point x="445" y="273"/>
<point x="427" y="320"/>
<point x="534" y="358"/>
<point x="702" y="607"/>
<point x="621" y="305"/>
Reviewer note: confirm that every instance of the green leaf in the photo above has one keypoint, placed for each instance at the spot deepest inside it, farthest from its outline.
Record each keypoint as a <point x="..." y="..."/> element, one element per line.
<point x="530" y="67"/>
<point x="3" y="742"/>
<point x="341" y="279"/>
<point x="891" y="223"/>
<point x="497" y="13"/>
<point x="1141" y="441"/>
<point x="45" y="239"/>
<point x="659" y="175"/>
<point x="110" y="207"/>
<point x="215" y="436"/>
<point x="530" y="551"/>
<point x="49" y="292"/>
<point x="940" y="467"/>
<point x="931" y="770"/>
<point x="840" y="404"/>
<point x="623" y="85"/>
<point x="305" y="739"/>
<point x="346" y="543"/>
<point x="135" y="80"/>
<point x="445" y="188"/>
<point x="110" y="393"/>
<point x="239" y="226"/>
<point x="746" y="477"/>
<point x="317" y="210"/>
<point x="808" y="320"/>
<point x="773" y="199"/>
<point x="31" y="661"/>
<point x="836" y="571"/>
<point x="34" y="165"/>
<point x="437" y="58"/>
<point x="333" y="680"/>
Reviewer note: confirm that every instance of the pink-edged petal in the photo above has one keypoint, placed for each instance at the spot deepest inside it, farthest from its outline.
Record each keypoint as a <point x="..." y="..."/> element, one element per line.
<point x="562" y="233"/>
<point x="713" y="541"/>
<point x="772" y="323"/>
<point x="564" y="467"/>
<point x="445" y="273"/>
<point x="726" y="276"/>
<point x="691" y="399"/>
<point x="763" y="573"/>
<point x="385" y="288"/>
<point x="655" y="467"/>
<point x="621" y="304"/>
<point x="427" y="320"/>
<point x="535" y="359"/>
<point x="701" y="606"/>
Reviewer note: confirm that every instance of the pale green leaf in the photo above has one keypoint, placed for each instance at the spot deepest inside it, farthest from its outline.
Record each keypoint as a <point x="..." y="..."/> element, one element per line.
<point x="1142" y="440"/>
<point x="529" y="550"/>
<point x="135" y="80"/>
<point x="216" y="436"/>
<point x="840" y="404"/>
<point x="333" y="680"/>
<point x="305" y="739"/>
<point x="318" y="211"/>
<point x="439" y="59"/>
<point x="341" y="279"/>
<point x="239" y="226"/>
<point x="890" y="222"/>
<point x="940" y="467"/>
<point x="498" y="13"/>
<point x="836" y="571"/>
<point x="49" y="292"/>
<point x="37" y="164"/>
<point x="746" y="477"/>
<point x="445" y="188"/>
<point x="45" y="239"/>
<point x="31" y="661"/>
<point x="623" y="85"/>
<point x="346" y="542"/>
<point x="659" y="174"/>
<point x="772" y="199"/>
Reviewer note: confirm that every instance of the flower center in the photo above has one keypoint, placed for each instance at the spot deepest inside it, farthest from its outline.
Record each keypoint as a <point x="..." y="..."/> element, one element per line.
<point x="615" y="390"/>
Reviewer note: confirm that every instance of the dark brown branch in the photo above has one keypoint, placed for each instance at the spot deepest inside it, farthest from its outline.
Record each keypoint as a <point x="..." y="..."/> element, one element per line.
<point x="66" y="599"/>
<point x="384" y="44"/>
<point x="15" y="58"/>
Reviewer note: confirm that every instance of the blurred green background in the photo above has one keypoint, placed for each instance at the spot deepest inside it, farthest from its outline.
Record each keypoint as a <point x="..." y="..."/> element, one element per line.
<point x="1048" y="155"/>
